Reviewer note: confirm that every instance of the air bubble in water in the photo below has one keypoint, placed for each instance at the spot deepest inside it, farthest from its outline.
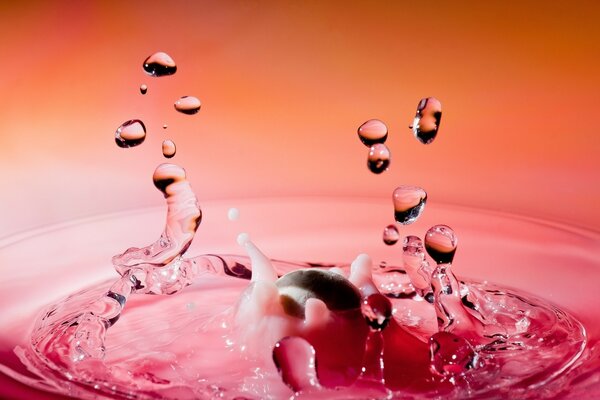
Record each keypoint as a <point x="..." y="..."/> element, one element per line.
<point x="131" y="133"/>
<point x="450" y="354"/>
<point x="372" y="132"/>
<point x="440" y="243"/>
<point x="188" y="105"/>
<point x="168" y="148"/>
<point x="379" y="158"/>
<point x="143" y="89"/>
<point x="390" y="235"/>
<point x="377" y="310"/>
<point x="159" y="64"/>
<point x="409" y="202"/>
<point x="427" y="120"/>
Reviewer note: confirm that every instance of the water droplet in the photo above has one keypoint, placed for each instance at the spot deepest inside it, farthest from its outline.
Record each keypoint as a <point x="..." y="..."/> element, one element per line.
<point x="390" y="235"/>
<point x="159" y="64"/>
<point x="233" y="214"/>
<point x="295" y="360"/>
<point x="377" y="310"/>
<point x="427" y="120"/>
<point x="167" y="174"/>
<point x="379" y="158"/>
<point x="372" y="132"/>
<point x="409" y="202"/>
<point x="450" y="354"/>
<point x="188" y="105"/>
<point x="143" y="89"/>
<point x="131" y="133"/>
<point x="165" y="126"/>
<point x="168" y="148"/>
<point x="440" y="243"/>
<point x="417" y="268"/>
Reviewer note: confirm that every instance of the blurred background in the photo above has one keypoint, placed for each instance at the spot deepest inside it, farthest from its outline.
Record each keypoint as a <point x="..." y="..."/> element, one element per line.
<point x="284" y="86"/>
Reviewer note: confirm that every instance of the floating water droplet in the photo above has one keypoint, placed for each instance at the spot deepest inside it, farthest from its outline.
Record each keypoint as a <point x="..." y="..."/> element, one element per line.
<point x="372" y="132"/>
<point x="168" y="148"/>
<point x="427" y="120"/>
<point x="159" y="64"/>
<point x="188" y="105"/>
<point x="390" y="235"/>
<point x="409" y="202"/>
<point x="143" y="89"/>
<point x="295" y="360"/>
<point x="377" y="310"/>
<point x="165" y="126"/>
<point x="131" y="133"/>
<point x="450" y="354"/>
<point x="233" y="214"/>
<point x="440" y="243"/>
<point x="379" y="158"/>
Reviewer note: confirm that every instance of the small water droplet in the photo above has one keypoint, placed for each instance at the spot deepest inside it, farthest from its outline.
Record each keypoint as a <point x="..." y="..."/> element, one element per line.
<point x="372" y="132"/>
<point x="168" y="148"/>
<point x="440" y="243"/>
<point x="295" y="360"/>
<point x="427" y="120"/>
<point x="390" y="235"/>
<point x="143" y="89"/>
<point x="130" y="134"/>
<point x="377" y="310"/>
<point x="188" y="105"/>
<point x="379" y="158"/>
<point x="233" y="214"/>
<point x="165" y="126"/>
<point x="450" y="354"/>
<point x="409" y="202"/>
<point x="159" y="64"/>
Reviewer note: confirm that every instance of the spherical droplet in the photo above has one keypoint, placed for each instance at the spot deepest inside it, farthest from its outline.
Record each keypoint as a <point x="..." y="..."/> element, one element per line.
<point x="143" y="89"/>
<point x="168" y="148"/>
<point x="295" y="360"/>
<point x="440" y="243"/>
<point x="233" y="214"/>
<point x="409" y="202"/>
<point x="427" y="120"/>
<point x="450" y="354"/>
<point x="159" y="64"/>
<point x="377" y="310"/>
<point x="167" y="174"/>
<point x="131" y="133"/>
<point x="165" y="126"/>
<point x="391" y="235"/>
<point x="379" y="158"/>
<point x="188" y="105"/>
<point x="372" y="132"/>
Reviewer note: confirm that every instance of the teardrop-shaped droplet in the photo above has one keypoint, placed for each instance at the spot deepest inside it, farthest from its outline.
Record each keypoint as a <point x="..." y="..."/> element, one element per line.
<point x="131" y="133"/>
<point x="450" y="354"/>
<point x="409" y="202"/>
<point x="295" y="360"/>
<point x="379" y="158"/>
<point x="143" y="89"/>
<point x="188" y="105"/>
<point x="159" y="64"/>
<point x="168" y="148"/>
<point x="377" y="310"/>
<point x="391" y="235"/>
<point x="372" y="132"/>
<point x="440" y="243"/>
<point x="427" y="120"/>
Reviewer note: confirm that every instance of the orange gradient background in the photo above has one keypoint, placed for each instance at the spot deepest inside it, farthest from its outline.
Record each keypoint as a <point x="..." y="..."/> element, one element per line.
<point x="284" y="86"/>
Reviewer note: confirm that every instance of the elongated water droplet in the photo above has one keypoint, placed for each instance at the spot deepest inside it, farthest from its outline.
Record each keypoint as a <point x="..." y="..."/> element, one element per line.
<point x="409" y="202"/>
<point x="427" y="120"/>
<point x="379" y="158"/>
<point x="159" y="64"/>
<point x="450" y="354"/>
<point x="131" y="133"/>
<point x="295" y="360"/>
<point x="143" y="89"/>
<point x="390" y="235"/>
<point x="188" y="105"/>
<point x="372" y="132"/>
<point x="377" y="310"/>
<point x="168" y="148"/>
<point x="440" y="243"/>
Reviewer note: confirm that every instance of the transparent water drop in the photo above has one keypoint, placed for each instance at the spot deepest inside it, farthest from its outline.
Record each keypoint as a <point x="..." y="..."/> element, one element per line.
<point x="391" y="235"/>
<point x="233" y="214"/>
<point x="165" y="126"/>
<point x="440" y="243"/>
<point x="295" y="360"/>
<point x="409" y="202"/>
<point x="159" y="64"/>
<point x="450" y="354"/>
<point x="377" y="310"/>
<point x="188" y="105"/>
<point x="166" y="175"/>
<point x="130" y="134"/>
<point x="416" y="266"/>
<point x="168" y="148"/>
<point x="372" y="132"/>
<point x="143" y="89"/>
<point x="427" y="120"/>
<point x="379" y="158"/>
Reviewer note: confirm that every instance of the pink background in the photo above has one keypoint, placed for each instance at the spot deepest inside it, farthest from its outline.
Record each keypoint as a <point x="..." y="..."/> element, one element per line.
<point x="284" y="86"/>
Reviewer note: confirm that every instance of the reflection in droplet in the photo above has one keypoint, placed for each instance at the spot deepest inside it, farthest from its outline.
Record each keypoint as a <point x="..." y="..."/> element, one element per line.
<point x="390" y="235"/>
<point x="450" y="354"/>
<point x="440" y="243"/>
<point x="168" y="148"/>
<point x="159" y="64"/>
<point x="377" y="310"/>
<point x="427" y="120"/>
<point x="143" y="89"/>
<point x="379" y="158"/>
<point x="131" y="133"/>
<point x="409" y="202"/>
<point x="188" y="105"/>
<point x="372" y="132"/>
